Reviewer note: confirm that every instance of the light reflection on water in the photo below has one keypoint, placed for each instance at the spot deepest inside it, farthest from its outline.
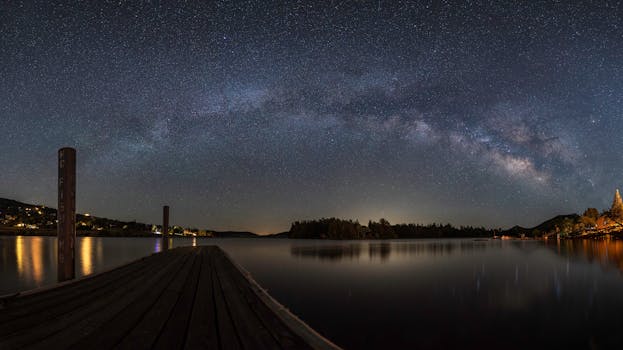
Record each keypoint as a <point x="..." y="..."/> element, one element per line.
<point x="86" y="255"/>
<point x="157" y="245"/>
<point x="30" y="262"/>
<point x="609" y="254"/>
<point x="29" y="258"/>
<point x="424" y="294"/>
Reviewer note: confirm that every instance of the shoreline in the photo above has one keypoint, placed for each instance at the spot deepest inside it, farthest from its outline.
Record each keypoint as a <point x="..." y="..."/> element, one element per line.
<point x="52" y="233"/>
<point x="14" y="232"/>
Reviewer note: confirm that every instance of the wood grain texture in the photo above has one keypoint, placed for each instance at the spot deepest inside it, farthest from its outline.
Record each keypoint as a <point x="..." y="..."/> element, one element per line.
<point x="184" y="298"/>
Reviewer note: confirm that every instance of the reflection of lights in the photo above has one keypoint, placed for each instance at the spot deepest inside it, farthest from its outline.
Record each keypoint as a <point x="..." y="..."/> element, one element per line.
<point x="19" y="251"/>
<point x="99" y="248"/>
<point x="157" y="246"/>
<point x="86" y="257"/>
<point x="194" y="242"/>
<point x="37" y="255"/>
<point x="29" y="254"/>
<point x="605" y="252"/>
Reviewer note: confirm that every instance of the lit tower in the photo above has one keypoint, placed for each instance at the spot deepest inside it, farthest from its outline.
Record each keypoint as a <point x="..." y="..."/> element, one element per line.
<point x="617" y="206"/>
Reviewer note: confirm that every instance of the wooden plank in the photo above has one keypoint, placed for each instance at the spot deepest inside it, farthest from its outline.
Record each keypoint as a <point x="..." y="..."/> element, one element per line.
<point x="31" y="303"/>
<point x="146" y="332"/>
<point x="227" y="335"/>
<point x="116" y="328"/>
<point x="22" y="301"/>
<point x="52" y="309"/>
<point x="69" y="328"/>
<point x="191" y="297"/>
<point x="278" y="312"/>
<point x="202" y="328"/>
<point x="173" y="335"/>
<point x="88" y="320"/>
<point x="251" y="332"/>
<point x="279" y="331"/>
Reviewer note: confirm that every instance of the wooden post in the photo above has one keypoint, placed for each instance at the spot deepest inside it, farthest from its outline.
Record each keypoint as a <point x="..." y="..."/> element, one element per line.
<point x="66" y="214"/>
<point x="165" y="227"/>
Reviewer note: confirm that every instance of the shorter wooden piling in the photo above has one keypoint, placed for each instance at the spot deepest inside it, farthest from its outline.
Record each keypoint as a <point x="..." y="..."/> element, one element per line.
<point x="165" y="227"/>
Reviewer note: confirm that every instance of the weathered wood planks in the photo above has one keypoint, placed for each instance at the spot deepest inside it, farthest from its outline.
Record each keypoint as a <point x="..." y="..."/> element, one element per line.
<point x="185" y="298"/>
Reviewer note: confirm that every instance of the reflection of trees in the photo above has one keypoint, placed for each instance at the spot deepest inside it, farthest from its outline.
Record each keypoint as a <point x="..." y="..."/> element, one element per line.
<point x="606" y="252"/>
<point x="438" y="248"/>
<point x="333" y="253"/>
<point x="380" y="250"/>
<point x="383" y="250"/>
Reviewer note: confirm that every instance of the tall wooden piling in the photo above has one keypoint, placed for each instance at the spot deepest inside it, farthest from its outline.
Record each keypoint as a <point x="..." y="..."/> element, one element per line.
<point x="165" y="227"/>
<point x="66" y="214"/>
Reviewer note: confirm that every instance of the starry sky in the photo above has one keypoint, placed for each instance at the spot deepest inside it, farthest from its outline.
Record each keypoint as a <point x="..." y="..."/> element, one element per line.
<point x="248" y="115"/>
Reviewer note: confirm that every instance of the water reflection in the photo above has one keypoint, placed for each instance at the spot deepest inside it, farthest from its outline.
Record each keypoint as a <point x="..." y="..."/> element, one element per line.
<point x="379" y="250"/>
<point x="432" y="294"/>
<point x="384" y="251"/>
<point x="429" y="248"/>
<point x="85" y="254"/>
<point x="157" y="245"/>
<point x="91" y="254"/>
<point x="608" y="253"/>
<point x="29" y="256"/>
<point x="31" y="262"/>
<point x="424" y="294"/>
<point x="328" y="252"/>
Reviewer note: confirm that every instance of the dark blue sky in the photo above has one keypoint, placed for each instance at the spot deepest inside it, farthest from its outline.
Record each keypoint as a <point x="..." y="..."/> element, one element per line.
<point x="252" y="114"/>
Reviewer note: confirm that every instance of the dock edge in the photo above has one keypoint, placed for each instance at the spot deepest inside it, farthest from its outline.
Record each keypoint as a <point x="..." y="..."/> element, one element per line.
<point x="298" y="326"/>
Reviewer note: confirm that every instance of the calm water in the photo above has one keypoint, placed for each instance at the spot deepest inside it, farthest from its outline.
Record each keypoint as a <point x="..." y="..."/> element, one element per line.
<point x="424" y="294"/>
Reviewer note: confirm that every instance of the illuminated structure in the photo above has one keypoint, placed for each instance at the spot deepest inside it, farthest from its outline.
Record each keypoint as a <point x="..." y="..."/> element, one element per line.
<point x="617" y="206"/>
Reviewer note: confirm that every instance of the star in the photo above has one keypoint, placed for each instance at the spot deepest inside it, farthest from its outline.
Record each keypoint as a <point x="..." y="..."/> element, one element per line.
<point x="257" y="114"/>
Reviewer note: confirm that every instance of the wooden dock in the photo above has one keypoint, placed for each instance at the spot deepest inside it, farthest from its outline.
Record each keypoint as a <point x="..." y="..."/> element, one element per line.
<point x="184" y="298"/>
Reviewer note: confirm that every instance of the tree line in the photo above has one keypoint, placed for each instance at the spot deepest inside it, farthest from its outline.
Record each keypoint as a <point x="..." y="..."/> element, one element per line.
<point x="334" y="228"/>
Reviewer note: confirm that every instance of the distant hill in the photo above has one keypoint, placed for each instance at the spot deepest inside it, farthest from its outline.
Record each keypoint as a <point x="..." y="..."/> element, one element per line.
<point x="545" y="228"/>
<point x="30" y="219"/>
<point x="5" y="203"/>
<point x="234" y="234"/>
<point x="278" y="235"/>
<point x="17" y="218"/>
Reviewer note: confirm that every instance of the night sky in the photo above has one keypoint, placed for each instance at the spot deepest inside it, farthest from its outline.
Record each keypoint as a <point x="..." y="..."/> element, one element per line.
<point x="247" y="115"/>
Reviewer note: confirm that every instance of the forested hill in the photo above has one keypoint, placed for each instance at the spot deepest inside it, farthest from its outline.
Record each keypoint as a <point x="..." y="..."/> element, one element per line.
<point x="17" y="218"/>
<point x="23" y="218"/>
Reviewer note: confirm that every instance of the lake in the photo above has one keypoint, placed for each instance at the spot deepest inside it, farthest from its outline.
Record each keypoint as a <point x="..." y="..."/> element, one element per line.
<point x="399" y="294"/>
